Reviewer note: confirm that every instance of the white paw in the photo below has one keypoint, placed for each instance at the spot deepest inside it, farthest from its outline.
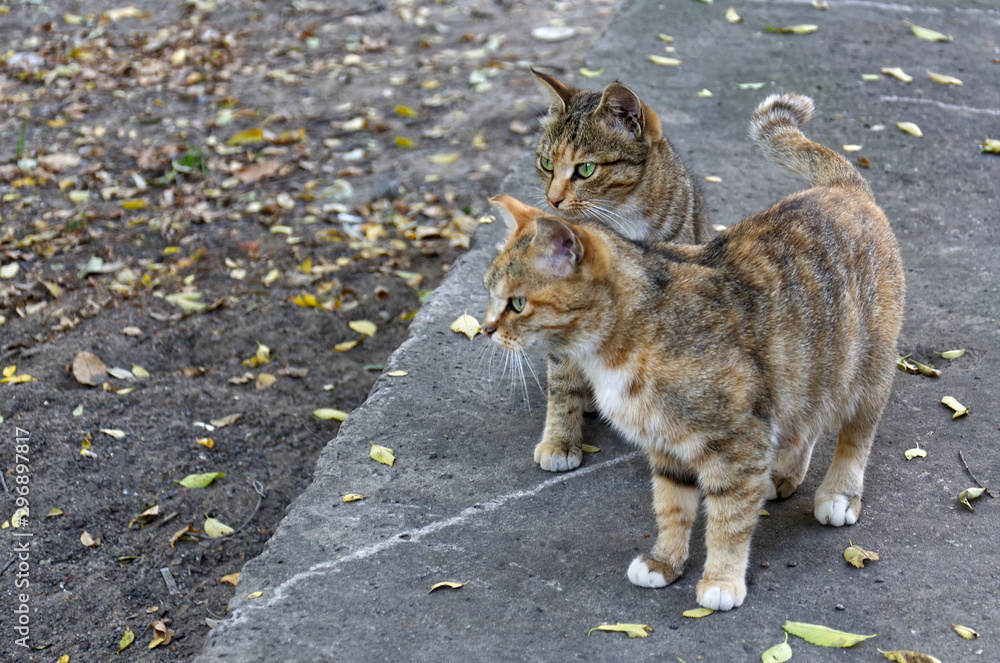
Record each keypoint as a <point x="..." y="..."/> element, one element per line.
<point x="835" y="510"/>
<point x="772" y="492"/>
<point x="556" y="460"/>
<point x="719" y="597"/>
<point x="639" y="574"/>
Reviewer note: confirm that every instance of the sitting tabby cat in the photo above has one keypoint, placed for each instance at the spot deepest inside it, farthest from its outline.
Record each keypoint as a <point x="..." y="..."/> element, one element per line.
<point x="603" y="155"/>
<point x="725" y="361"/>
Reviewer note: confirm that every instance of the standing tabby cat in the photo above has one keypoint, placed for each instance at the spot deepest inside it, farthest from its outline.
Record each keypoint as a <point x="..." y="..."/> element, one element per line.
<point x="602" y="155"/>
<point x="725" y="361"/>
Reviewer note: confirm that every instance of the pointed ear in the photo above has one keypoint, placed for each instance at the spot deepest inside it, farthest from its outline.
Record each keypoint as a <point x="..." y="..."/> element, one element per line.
<point x="621" y="110"/>
<point x="514" y="213"/>
<point x="558" y="93"/>
<point x="558" y="247"/>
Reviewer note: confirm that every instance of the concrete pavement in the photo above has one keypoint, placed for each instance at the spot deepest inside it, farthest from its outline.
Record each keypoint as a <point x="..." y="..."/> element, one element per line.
<point x="544" y="554"/>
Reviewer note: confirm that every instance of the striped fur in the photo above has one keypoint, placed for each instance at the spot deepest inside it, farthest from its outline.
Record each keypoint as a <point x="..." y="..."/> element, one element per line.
<point x="725" y="361"/>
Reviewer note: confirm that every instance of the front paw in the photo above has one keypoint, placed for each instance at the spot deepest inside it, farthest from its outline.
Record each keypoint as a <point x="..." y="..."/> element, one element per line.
<point x="837" y="510"/>
<point x="646" y="572"/>
<point x="721" y="595"/>
<point x="556" y="458"/>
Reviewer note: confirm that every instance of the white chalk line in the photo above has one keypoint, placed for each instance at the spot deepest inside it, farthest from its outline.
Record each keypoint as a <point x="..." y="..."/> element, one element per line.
<point x="941" y="104"/>
<point x="273" y="596"/>
<point x="886" y="6"/>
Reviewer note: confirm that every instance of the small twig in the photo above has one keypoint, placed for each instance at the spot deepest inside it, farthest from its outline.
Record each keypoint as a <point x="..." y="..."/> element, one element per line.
<point x="4" y="482"/>
<point x="978" y="482"/>
<point x="7" y="565"/>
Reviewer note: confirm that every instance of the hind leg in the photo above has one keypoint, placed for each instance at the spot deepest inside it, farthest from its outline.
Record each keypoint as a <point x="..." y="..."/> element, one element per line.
<point x="790" y="467"/>
<point x="838" y="500"/>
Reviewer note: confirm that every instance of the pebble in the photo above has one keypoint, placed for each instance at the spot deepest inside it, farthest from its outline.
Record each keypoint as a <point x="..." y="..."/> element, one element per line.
<point x="793" y="564"/>
<point x="840" y="606"/>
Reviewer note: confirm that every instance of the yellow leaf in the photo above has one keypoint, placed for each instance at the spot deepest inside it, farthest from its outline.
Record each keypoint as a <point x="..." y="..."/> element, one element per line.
<point x="397" y="374"/>
<point x="990" y="145"/>
<point x="901" y="656"/>
<point x="346" y="345"/>
<point x="226" y="420"/>
<point x="589" y="448"/>
<point x="956" y="406"/>
<point x="406" y="111"/>
<point x="126" y="640"/>
<point x="804" y="29"/>
<point x="9" y="371"/>
<point x="732" y="17"/>
<point x="248" y="137"/>
<point x="89" y="541"/>
<point x="365" y="327"/>
<point x="952" y="354"/>
<point x="970" y="494"/>
<point x="633" y="630"/>
<point x="778" y="653"/>
<point x="591" y="73"/>
<point x="870" y="77"/>
<point x="927" y="34"/>
<point x="176" y="536"/>
<point x="328" y="413"/>
<point x="764" y="512"/>
<point x="78" y="197"/>
<point x="704" y="93"/>
<point x="896" y="72"/>
<point x="205" y="442"/>
<point x="17" y="516"/>
<point x="449" y="585"/>
<point x="255" y="595"/>
<point x="665" y="61"/>
<point x="382" y="454"/>
<point x="965" y="631"/>
<point x="155" y="642"/>
<point x="139" y="371"/>
<point x="910" y="128"/>
<point x="403" y="141"/>
<point x="53" y="513"/>
<point x="264" y="380"/>
<point x="64" y="658"/>
<point x="666" y="38"/>
<point x="697" y="613"/>
<point x="230" y="579"/>
<point x="916" y="452"/>
<point x="944" y="79"/>
<point x="823" y="636"/>
<point x="750" y="86"/>
<point x="136" y="203"/>
<point x="715" y="179"/>
<point x="215" y="528"/>
<point x="117" y="15"/>
<point x="9" y="270"/>
<point x="851" y="148"/>
<point x="354" y="497"/>
<point x="307" y="301"/>
<point x="466" y="324"/>
<point x="444" y="159"/>
<point x="113" y="432"/>
<point x="187" y="300"/>
<point x="200" y="480"/>
<point x="857" y="555"/>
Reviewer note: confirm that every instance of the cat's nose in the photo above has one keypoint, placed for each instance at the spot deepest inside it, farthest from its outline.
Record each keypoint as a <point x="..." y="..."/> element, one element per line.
<point x="488" y="329"/>
<point x="555" y="201"/>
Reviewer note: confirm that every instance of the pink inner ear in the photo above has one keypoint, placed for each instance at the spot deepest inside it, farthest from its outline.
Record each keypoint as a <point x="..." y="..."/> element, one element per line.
<point x="623" y="109"/>
<point x="560" y="250"/>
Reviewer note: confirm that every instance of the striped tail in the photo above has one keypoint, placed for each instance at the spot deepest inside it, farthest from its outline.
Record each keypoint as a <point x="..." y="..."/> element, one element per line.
<point x="774" y="126"/>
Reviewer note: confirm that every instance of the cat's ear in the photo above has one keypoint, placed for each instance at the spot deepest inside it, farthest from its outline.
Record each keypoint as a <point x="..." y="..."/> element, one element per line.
<point x="558" y="249"/>
<point x="513" y="212"/>
<point x="621" y="110"/>
<point x="558" y="93"/>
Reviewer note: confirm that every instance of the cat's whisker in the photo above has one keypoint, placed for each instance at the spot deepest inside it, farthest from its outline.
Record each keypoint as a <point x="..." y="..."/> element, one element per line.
<point x="531" y="368"/>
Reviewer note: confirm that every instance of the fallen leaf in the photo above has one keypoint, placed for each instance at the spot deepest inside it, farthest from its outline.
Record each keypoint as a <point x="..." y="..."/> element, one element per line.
<point x="927" y="370"/>
<point x="964" y="631"/>
<point x="397" y="374"/>
<point x="187" y="300"/>
<point x="449" y="585"/>
<point x="589" y="448"/>
<point x="89" y="369"/>
<point x="161" y="634"/>
<point x="59" y="161"/>
<point x="346" y="345"/>
<point x="990" y="145"/>
<point x="230" y="579"/>
<point x="901" y="656"/>
<point x="591" y="73"/>
<point x="227" y="420"/>
<point x="120" y="373"/>
<point x="864" y="162"/>
<point x="132" y="331"/>
<point x="382" y="454"/>
<point x="952" y="354"/>
<point x="764" y="512"/>
<point x="307" y="300"/>
<point x="732" y="17"/>
<point x="216" y="528"/>
<point x="466" y="324"/>
<point x="713" y="178"/>
<point x="944" y="79"/>
<point x="89" y="541"/>
<point x="113" y="432"/>
<point x="200" y="480"/>
<point x="633" y="630"/>
<point x="927" y="34"/>
<point x="916" y="452"/>
<point x="264" y="380"/>
<point x="778" y="653"/>
<point x="851" y="148"/>
<point x="139" y="371"/>
<point x="54" y="513"/>
<point x="205" y="442"/>
<point x="750" y="86"/>
<point x="9" y="270"/>
<point x="956" y="406"/>
<point x="17" y="516"/>
<point x="704" y="93"/>
<point x="127" y="639"/>
<point x="665" y="61"/>
<point x="910" y="128"/>
<point x="697" y="613"/>
<point x="353" y="497"/>
<point x="898" y="73"/>
<point x="364" y="327"/>
<point x="330" y="413"/>
<point x="804" y="29"/>
<point x="176" y="536"/>
<point x="970" y="494"/>
<point x="248" y="137"/>
<point x="444" y="159"/>
<point x="857" y="555"/>
<point x="255" y="595"/>
<point x="257" y="171"/>
<point x="823" y="636"/>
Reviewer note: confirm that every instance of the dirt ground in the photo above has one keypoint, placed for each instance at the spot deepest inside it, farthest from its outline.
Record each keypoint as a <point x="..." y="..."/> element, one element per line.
<point x="182" y="183"/>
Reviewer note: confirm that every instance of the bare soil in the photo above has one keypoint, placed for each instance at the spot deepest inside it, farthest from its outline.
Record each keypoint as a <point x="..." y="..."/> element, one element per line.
<point x="181" y="183"/>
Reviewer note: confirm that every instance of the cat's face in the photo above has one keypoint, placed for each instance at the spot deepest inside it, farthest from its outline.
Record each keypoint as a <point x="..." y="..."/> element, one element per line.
<point x="593" y="149"/>
<point x="538" y="283"/>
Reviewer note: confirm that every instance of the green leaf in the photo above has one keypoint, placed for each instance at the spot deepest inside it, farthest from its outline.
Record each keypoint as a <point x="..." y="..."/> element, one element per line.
<point x="927" y="34"/>
<point x="126" y="640"/>
<point x="216" y="528"/>
<point x="633" y="630"/>
<point x="824" y="636"/>
<point x="908" y="657"/>
<point x="794" y="29"/>
<point x="750" y="86"/>
<point x="364" y="327"/>
<point x="952" y="354"/>
<point x="591" y="73"/>
<point x="382" y="454"/>
<point x="970" y="494"/>
<point x="200" y="480"/>
<point x="697" y="613"/>
<point x="778" y="653"/>
<point x="328" y="413"/>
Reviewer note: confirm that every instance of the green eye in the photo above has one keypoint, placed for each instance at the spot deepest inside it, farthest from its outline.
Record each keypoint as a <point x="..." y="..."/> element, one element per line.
<point x="545" y="163"/>
<point x="517" y="303"/>
<point x="585" y="169"/>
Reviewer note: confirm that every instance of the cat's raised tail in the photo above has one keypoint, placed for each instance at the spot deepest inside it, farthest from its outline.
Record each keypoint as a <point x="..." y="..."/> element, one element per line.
<point x="775" y="127"/>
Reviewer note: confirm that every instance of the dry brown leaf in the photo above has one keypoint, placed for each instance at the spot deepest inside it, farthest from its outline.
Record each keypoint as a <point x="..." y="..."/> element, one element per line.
<point x="264" y="380"/>
<point x="258" y="171"/>
<point x="88" y="368"/>
<point x="89" y="541"/>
